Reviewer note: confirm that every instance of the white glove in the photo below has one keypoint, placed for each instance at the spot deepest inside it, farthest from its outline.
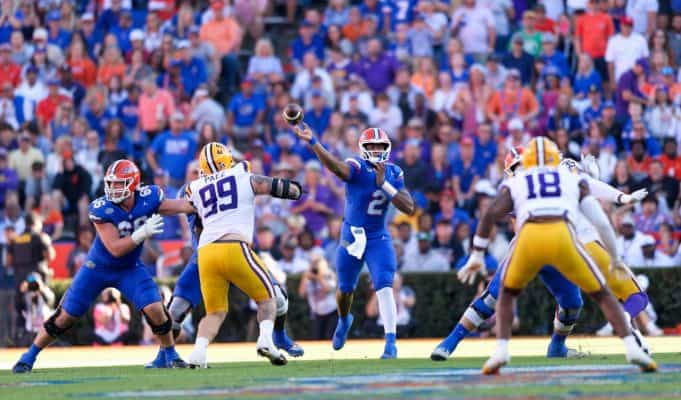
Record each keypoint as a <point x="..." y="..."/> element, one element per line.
<point x="474" y="266"/>
<point x="634" y="197"/>
<point x="590" y="166"/>
<point x="152" y="226"/>
<point x="620" y="270"/>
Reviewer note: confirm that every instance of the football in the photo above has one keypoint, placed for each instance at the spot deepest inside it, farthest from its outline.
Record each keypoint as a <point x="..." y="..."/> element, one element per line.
<point x="293" y="113"/>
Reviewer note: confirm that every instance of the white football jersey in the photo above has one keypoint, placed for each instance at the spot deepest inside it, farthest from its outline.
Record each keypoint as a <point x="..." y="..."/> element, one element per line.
<point x="544" y="192"/>
<point x="225" y="202"/>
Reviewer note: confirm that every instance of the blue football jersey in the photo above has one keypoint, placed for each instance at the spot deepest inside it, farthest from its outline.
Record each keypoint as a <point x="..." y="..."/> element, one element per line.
<point x="147" y="201"/>
<point x="366" y="205"/>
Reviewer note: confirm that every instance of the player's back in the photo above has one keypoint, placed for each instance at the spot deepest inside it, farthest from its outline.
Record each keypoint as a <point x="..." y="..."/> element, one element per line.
<point x="366" y="205"/>
<point x="147" y="201"/>
<point x="544" y="192"/>
<point x="225" y="202"/>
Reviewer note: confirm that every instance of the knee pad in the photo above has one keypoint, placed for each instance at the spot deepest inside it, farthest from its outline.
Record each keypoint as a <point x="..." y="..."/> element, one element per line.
<point x="565" y="320"/>
<point x="51" y="325"/>
<point x="282" y="300"/>
<point x="163" y="328"/>
<point x="481" y="309"/>
<point x="178" y="309"/>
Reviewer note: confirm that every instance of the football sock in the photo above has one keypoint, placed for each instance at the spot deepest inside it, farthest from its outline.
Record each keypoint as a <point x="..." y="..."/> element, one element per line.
<point x="388" y="309"/>
<point x="502" y="347"/>
<point x="455" y="336"/>
<point x="201" y="343"/>
<point x="32" y="353"/>
<point x="556" y="338"/>
<point x="266" y="327"/>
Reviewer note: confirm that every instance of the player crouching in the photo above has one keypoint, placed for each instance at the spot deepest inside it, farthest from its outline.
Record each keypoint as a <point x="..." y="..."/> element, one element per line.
<point x="224" y="199"/>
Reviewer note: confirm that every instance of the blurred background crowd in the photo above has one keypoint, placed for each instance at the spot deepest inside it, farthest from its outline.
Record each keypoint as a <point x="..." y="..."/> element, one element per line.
<point x="454" y="83"/>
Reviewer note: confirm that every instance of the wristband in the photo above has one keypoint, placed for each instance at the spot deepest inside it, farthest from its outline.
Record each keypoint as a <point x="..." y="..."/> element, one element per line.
<point x="480" y="242"/>
<point x="619" y="198"/>
<point x="388" y="188"/>
<point x="313" y="141"/>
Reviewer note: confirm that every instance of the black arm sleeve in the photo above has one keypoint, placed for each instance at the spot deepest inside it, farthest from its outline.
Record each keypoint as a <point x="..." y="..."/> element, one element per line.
<point x="281" y="188"/>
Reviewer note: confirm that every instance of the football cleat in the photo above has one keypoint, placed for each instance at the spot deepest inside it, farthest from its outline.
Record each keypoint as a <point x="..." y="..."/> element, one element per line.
<point x="340" y="336"/>
<point x="284" y="342"/>
<point x="645" y="346"/>
<point x="390" y="350"/>
<point x="267" y="349"/>
<point x="494" y="363"/>
<point x="440" y="354"/>
<point x="557" y="349"/>
<point x="22" y="367"/>
<point x="158" y="362"/>
<point x="635" y="355"/>
<point x="197" y="359"/>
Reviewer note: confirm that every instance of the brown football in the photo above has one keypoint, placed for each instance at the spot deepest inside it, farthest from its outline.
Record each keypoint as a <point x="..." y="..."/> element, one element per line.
<point x="293" y="113"/>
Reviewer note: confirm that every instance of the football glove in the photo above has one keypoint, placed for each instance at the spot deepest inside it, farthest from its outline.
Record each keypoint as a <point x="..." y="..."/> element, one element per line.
<point x="634" y="197"/>
<point x="152" y="226"/>
<point x="590" y="166"/>
<point x="474" y="266"/>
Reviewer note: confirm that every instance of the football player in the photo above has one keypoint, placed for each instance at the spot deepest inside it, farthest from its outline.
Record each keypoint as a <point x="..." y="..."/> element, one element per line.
<point x="546" y="200"/>
<point x="187" y="293"/>
<point x="224" y="200"/>
<point x="123" y="219"/>
<point x="371" y="185"/>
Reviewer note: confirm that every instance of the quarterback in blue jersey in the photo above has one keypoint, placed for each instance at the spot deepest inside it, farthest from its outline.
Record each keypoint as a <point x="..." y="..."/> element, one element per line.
<point x="371" y="184"/>
<point x="187" y="293"/>
<point x="123" y="219"/>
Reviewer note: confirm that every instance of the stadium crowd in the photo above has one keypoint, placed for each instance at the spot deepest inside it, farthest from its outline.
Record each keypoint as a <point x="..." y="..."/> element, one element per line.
<point x="455" y="85"/>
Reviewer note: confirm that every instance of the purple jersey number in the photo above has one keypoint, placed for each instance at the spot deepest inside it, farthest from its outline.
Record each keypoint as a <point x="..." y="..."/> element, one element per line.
<point x="549" y="185"/>
<point x="220" y="195"/>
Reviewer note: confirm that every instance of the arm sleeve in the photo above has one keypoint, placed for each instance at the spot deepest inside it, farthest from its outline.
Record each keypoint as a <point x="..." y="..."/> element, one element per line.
<point x="602" y="191"/>
<point x="594" y="213"/>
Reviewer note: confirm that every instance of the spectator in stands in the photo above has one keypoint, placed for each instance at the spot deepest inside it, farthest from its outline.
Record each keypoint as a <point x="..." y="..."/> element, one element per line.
<point x="663" y="187"/>
<point x="669" y="245"/>
<point x="511" y="101"/>
<point x="307" y="42"/>
<point x="643" y="15"/>
<point x="465" y="172"/>
<point x="415" y="169"/>
<point x="290" y="262"/>
<point x="386" y="115"/>
<point x="318" y="285"/>
<point x="319" y="201"/>
<point x="72" y="187"/>
<point x="9" y="71"/>
<point x="264" y="66"/>
<point x="650" y="256"/>
<point x="112" y="319"/>
<point x="671" y="162"/>
<point x="206" y="111"/>
<point x="53" y="221"/>
<point x="22" y="159"/>
<point x="592" y="31"/>
<point x="9" y="181"/>
<point x="663" y="119"/>
<point x="445" y="243"/>
<point x="425" y="259"/>
<point x="155" y="107"/>
<point x="378" y="68"/>
<point x="336" y="13"/>
<point x="649" y="218"/>
<point x="519" y="60"/>
<point x="31" y="250"/>
<point x="35" y="302"/>
<point x="624" y="49"/>
<point x="173" y="150"/>
<point x="78" y="255"/>
<point x="630" y="240"/>
<point x="31" y="90"/>
<point x="639" y="160"/>
<point x="474" y="25"/>
<point x="12" y="217"/>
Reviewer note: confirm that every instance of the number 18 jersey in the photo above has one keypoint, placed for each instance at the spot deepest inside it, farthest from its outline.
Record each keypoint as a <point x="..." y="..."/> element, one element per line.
<point x="225" y="202"/>
<point x="365" y="203"/>
<point x="544" y="192"/>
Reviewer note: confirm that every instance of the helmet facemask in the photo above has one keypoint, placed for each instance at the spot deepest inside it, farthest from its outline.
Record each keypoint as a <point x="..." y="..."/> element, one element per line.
<point x="375" y="155"/>
<point x="116" y="190"/>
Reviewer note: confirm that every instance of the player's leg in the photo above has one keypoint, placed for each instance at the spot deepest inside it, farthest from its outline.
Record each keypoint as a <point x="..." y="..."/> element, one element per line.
<point x="569" y="299"/>
<point x="480" y="310"/>
<point x="215" y="294"/>
<point x="521" y="266"/>
<point x="187" y="294"/>
<point x="348" y="268"/>
<point x="86" y="286"/>
<point x="279" y="335"/>
<point x="382" y="262"/>
<point x="138" y="286"/>
<point x="250" y="274"/>
<point x="575" y="264"/>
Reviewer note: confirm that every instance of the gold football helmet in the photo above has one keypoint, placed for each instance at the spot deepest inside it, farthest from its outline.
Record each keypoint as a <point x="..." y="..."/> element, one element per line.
<point x="215" y="157"/>
<point x="540" y="152"/>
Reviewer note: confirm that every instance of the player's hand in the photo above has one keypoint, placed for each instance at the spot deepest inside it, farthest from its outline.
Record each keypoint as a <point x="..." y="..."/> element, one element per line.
<point x="474" y="266"/>
<point x="303" y="134"/>
<point x="635" y="197"/>
<point x="590" y="166"/>
<point x="152" y="226"/>
<point x="620" y="270"/>
<point x="380" y="173"/>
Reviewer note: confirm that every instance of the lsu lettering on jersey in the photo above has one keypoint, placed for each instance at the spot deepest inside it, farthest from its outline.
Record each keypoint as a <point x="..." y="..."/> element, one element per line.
<point x="544" y="192"/>
<point x="366" y="204"/>
<point x="225" y="202"/>
<point x="147" y="201"/>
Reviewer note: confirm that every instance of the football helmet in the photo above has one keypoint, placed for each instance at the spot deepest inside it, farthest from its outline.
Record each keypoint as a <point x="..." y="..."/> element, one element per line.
<point x="215" y="157"/>
<point x="540" y="152"/>
<point x="374" y="136"/>
<point x="121" y="180"/>
<point x="512" y="160"/>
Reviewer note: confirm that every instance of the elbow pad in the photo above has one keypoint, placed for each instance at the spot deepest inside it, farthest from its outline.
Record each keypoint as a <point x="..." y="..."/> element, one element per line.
<point x="281" y="188"/>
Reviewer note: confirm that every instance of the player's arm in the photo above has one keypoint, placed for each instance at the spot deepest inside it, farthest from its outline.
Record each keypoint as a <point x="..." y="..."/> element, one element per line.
<point x="176" y="206"/>
<point x="338" y="167"/>
<point x="276" y="187"/>
<point x="399" y="197"/>
<point x="602" y="191"/>
<point x="500" y="207"/>
<point x="120" y="246"/>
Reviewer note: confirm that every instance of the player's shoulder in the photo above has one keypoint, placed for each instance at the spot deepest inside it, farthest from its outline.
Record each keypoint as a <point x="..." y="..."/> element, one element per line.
<point x="101" y="210"/>
<point x="356" y="162"/>
<point x="151" y="192"/>
<point x="394" y="168"/>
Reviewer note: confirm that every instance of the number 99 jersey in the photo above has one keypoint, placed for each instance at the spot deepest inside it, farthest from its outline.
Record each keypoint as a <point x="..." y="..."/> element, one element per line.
<point x="225" y="202"/>
<point x="366" y="204"/>
<point x="544" y="192"/>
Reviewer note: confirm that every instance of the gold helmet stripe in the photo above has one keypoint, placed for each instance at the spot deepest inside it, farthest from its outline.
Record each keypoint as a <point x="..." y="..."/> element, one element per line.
<point x="540" y="151"/>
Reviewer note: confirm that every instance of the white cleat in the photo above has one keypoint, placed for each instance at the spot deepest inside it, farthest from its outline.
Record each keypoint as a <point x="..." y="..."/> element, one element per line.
<point x="197" y="359"/>
<point x="635" y="355"/>
<point x="606" y="330"/>
<point x="268" y="350"/>
<point x="645" y="346"/>
<point x="494" y="363"/>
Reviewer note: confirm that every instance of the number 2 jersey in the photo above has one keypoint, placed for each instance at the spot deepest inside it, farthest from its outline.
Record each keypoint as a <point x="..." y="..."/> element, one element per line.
<point x="544" y="192"/>
<point x="147" y="201"/>
<point x="366" y="204"/>
<point x="225" y="202"/>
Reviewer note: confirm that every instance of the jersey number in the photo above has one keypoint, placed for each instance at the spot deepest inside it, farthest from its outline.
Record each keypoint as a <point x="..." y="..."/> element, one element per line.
<point x="549" y="185"/>
<point x="219" y="196"/>
<point x="377" y="203"/>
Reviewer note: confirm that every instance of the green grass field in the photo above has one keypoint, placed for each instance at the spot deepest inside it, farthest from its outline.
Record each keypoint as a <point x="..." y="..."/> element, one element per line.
<point x="593" y="377"/>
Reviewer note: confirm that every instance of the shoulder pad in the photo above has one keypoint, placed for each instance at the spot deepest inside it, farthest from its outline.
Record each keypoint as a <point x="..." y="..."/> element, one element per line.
<point x="100" y="210"/>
